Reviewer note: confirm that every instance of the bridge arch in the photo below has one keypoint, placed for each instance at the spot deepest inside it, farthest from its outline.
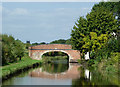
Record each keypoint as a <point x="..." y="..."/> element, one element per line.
<point x="56" y="51"/>
<point x="36" y="52"/>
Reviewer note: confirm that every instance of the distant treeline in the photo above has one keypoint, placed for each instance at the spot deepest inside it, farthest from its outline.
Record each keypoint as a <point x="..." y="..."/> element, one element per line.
<point x="60" y="41"/>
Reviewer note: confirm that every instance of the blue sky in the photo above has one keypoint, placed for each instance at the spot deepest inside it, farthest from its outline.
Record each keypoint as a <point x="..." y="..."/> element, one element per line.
<point x="42" y="21"/>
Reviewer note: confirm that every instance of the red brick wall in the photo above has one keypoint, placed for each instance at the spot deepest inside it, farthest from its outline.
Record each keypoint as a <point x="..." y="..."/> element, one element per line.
<point x="37" y="54"/>
<point x="52" y="46"/>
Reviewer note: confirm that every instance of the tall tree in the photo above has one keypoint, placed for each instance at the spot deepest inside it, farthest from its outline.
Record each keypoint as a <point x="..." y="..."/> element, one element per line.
<point x="101" y="22"/>
<point x="114" y="7"/>
<point x="78" y="32"/>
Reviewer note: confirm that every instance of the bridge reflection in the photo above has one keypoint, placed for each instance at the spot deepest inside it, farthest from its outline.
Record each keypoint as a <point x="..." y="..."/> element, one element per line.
<point x="57" y="72"/>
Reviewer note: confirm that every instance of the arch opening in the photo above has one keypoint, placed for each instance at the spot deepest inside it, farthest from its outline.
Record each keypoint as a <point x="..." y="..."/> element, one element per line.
<point x="55" y="56"/>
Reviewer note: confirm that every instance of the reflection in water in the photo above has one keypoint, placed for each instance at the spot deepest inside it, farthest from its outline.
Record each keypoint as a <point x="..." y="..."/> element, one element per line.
<point x="63" y="74"/>
<point x="87" y="74"/>
<point x="95" y="78"/>
<point x="57" y="71"/>
<point x="55" y="67"/>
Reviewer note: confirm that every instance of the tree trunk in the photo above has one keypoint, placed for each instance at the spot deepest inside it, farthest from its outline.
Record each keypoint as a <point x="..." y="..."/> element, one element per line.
<point x="20" y="58"/>
<point x="118" y="38"/>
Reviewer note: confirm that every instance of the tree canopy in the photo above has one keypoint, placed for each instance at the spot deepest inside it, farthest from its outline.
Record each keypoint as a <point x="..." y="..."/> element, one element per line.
<point x="92" y="32"/>
<point x="11" y="49"/>
<point x="61" y="41"/>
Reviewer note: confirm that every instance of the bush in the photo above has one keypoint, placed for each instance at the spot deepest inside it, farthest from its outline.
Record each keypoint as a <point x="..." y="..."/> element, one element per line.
<point x="106" y="52"/>
<point x="110" y="53"/>
<point x="11" y="49"/>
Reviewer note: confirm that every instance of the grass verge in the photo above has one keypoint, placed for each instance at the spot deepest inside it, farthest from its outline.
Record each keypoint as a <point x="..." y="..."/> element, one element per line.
<point x="20" y="66"/>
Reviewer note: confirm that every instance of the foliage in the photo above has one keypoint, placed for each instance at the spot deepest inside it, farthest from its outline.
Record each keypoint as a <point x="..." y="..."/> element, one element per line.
<point x="102" y="21"/>
<point x="94" y="42"/>
<point x="35" y="43"/>
<point x="42" y="43"/>
<point x="78" y="32"/>
<point x="68" y="41"/>
<point x="0" y="49"/>
<point x="106" y="51"/>
<point x="110" y="65"/>
<point x="60" y="41"/>
<point x="111" y="6"/>
<point x="93" y="32"/>
<point x="107" y="57"/>
<point x="27" y="45"/>
<point x="11" y="49"/>
<point x="38" y="43"/>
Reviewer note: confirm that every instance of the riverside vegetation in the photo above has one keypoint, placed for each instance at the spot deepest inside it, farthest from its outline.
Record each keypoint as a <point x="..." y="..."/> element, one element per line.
<point x="99" y="34"/>
<point x="14" y="56"/>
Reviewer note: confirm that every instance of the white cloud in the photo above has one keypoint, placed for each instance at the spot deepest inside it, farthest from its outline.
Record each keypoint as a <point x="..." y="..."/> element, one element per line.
<point x="16" y="11"/>
<point x="19" y="11"/>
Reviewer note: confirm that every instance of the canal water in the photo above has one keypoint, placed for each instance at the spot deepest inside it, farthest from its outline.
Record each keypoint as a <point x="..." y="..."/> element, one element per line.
<point x="63" y="73"/>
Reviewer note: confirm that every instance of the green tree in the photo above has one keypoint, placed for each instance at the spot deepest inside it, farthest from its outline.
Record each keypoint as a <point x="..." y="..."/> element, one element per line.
<point x="60" y="41"/>
<point x="94" y="42"/>
<point x="100" y="21"/>
<point x="11" y="49"/>
<point x="78" y="33"/>
<point x="114" y="7"/>
<point x="19" y="49"/>
<point x="110" y="5"/>
<point x="35" y="43"/>
<point x="68" y="41"/>
<point x="42" y="43"/>
<point x="7" y="45"/>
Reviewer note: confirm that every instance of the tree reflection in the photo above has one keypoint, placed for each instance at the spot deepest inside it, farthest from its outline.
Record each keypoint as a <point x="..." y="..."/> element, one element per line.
<point x="55" y="67"/>
<point x="94" y="79"/>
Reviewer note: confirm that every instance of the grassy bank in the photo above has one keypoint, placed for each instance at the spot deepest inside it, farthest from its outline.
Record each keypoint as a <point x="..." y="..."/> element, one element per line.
<point x="17" y="67"/>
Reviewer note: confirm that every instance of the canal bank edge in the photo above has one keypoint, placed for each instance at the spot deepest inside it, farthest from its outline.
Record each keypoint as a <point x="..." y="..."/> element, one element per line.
<point x="23" y="65"/>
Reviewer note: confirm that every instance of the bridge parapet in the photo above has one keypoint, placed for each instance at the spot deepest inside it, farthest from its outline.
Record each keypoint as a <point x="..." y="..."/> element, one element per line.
<point x="52" y="46"/>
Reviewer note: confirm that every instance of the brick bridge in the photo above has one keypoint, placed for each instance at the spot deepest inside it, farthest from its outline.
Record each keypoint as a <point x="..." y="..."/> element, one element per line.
<point x="36" y="52"/>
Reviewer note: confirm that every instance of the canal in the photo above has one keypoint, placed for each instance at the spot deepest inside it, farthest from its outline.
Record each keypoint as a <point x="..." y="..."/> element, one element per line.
<point x="62" y="73"/>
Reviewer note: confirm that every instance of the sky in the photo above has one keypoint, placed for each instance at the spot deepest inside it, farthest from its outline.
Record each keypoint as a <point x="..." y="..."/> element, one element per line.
<point x="42" y="21"/>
